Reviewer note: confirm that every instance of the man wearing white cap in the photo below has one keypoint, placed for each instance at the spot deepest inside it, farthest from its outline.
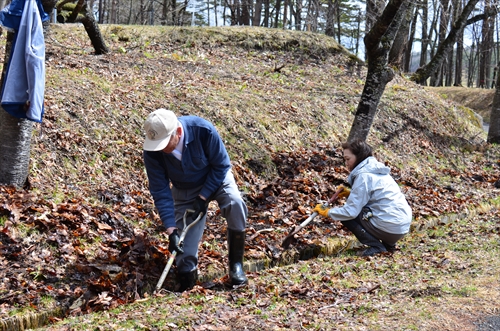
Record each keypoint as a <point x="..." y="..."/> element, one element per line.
<point x="188" y="153"/>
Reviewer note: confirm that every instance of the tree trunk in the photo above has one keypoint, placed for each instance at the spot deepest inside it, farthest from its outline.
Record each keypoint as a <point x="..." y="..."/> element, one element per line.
<point x="494" y="130"/>
<point x="257" y="14"/>
<point x="459" y="60"/>
<point x="78" y="13"/>
<point x="423" y="73"/>
<point x="298" y="13"/>
<point x="425" y="34"/>
<point x="245" y="12"/>
<point x="401" y="40"/>
<point x="277" y="14"/>
<point x="285" y="13"/>
<point x="373" y="10"/>
<point x="164" y="12"/>
<point x="15" y="138"/>
<point x="101" y="11"/>
<point x="485" y="50"/>
<point x="266" y="13"/>
<point x="15" y="133"/>
<point x="378" y="43"/>
<point x="330" y="14"/>
<point x="409" y="45"/>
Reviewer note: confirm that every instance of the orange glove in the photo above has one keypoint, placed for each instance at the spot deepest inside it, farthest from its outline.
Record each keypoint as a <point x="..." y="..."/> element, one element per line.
<point x="345" y="192"/>
<point x="322" y="209"/>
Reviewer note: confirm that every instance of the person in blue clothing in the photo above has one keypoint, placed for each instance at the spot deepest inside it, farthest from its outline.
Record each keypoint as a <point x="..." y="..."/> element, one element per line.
<point x="187" y="167"/>
<point x="376" y="211"/>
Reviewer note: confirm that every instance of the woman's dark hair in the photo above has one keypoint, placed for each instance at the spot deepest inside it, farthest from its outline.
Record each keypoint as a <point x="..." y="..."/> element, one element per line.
<point x="360" y="149"/>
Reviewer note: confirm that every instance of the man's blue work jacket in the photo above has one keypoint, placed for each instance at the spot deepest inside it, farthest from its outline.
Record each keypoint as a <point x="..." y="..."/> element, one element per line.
<point x="205" y="163"/>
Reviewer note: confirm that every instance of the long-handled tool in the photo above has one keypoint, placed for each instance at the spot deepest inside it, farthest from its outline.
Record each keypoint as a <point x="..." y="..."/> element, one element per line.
<point x="181" y="240"/>
<point x="290" y="237"/>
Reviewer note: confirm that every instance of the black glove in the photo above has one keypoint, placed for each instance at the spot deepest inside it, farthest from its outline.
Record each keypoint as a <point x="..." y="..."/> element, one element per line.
<point x="173" y="243"/>
<point x="199" y="206"/>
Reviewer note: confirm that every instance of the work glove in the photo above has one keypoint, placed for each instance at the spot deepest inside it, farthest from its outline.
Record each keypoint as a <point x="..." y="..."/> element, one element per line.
<point x="173" y="243"/>
<point x="199" y="206"/>
<point x="322" y="209"/>
<point x="345" y="192"/>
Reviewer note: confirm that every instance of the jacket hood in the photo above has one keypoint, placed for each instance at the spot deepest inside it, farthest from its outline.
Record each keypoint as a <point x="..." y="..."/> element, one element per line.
<point x="368" y="165"/>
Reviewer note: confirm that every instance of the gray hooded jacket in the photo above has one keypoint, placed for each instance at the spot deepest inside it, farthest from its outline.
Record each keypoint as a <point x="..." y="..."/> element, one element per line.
<point x="373" y="187"/>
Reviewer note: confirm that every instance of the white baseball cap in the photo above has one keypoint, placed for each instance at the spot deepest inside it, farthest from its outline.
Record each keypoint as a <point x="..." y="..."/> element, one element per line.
<point x="159" y="126"/>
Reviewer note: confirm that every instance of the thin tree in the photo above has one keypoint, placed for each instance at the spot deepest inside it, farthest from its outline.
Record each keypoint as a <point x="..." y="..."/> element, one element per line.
<point x="485" y="48"/>
<point x="378" y="43"/>
<point x="460" y="52"/>
<point x="494" y="130"/>
<point x="424" y="41"/>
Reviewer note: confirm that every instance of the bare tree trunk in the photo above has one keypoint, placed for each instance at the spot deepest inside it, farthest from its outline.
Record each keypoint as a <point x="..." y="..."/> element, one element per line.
<point x="485" y="50"/>
<point x="257" y="16"/>
<point x="401" y="40"/>
<point x="494" y="130"/>
<point x="358" y="32"/>
<point x="425" y="34"/>
<point x="285" y="12"/>
<point x="266" y="13"/>
<point x="277" y="9"/>
<point x="215" y="12"/>
<point x="164" y="12"/>
<point x="15" y="133"/>
<point x="409" y="45"/>
<point x="78" y="13"/>
<point x="245" y="12"/>
<point x="471" y="66"/>
<point x="373" y="11"/>
<point x="459" y="60"/>
<point x="101" y="12"/>
<point x="15" y="138"/>
<point x="330" y="13"/>
<point x="129" y="18"/>
<point x="460" y="50"/>
<point x="298" y="13"/>
<point x="378" y="43"/>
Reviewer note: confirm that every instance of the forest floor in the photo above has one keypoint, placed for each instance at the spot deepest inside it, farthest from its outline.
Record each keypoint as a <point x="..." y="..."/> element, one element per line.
<point x="83" y="242"/>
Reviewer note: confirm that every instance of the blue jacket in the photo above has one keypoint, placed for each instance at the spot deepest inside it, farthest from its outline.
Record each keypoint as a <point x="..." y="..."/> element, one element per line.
<point x="205" y="163"/>
<point x="24" y="85"/>
<point x="373" y="187"/>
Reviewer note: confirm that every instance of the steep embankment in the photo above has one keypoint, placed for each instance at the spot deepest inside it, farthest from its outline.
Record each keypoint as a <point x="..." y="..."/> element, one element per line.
<point x="283" y="101"/>
<point x="477" y="99"/>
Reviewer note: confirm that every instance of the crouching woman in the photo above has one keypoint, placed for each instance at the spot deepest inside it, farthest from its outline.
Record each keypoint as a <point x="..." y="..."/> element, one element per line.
<point x="376" y="210"/>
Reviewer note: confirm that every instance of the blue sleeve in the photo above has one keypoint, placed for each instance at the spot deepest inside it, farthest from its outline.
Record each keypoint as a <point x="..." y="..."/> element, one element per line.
<point x="219" y="162"/>
<point x="159" y="187"/>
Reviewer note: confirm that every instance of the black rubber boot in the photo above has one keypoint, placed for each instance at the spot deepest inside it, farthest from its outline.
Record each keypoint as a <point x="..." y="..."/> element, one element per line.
<point x="236" y="244"/>
<point x="187" y="280"/>
<point x="364" y="237"/>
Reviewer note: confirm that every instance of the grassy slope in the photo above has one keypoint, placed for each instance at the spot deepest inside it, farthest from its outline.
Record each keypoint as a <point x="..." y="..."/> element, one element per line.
<point x="475" y="98"/>
<point x="267" y="91"/>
